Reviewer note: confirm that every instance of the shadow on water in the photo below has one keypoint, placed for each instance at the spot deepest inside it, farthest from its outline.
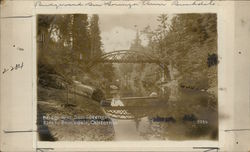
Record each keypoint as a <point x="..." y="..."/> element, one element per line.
<point x="160" y="120"/>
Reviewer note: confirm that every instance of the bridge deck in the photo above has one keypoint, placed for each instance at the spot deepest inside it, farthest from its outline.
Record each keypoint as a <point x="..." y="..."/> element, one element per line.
<point x="137" y="108"/>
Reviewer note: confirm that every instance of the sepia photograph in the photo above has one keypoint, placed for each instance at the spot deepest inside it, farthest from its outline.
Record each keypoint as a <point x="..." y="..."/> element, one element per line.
<point x="127" y="77"/>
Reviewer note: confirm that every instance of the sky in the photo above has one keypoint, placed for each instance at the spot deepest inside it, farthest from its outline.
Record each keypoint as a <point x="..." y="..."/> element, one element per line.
<point x="118" y="31"/>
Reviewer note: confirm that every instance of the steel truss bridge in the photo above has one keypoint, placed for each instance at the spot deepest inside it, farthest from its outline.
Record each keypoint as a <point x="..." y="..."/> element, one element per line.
<point x="136" y="112"/>
<point x="126" y="56"/>
<point x="129" y="112"/>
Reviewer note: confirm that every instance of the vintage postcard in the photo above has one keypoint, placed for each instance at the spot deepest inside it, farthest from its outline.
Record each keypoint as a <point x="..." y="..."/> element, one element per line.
<point x="125" y="75"/>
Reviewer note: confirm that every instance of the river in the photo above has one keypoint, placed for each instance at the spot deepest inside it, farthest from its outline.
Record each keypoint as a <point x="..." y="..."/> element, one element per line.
<point x="136" y="128"/>
<point x="157" y="119"/>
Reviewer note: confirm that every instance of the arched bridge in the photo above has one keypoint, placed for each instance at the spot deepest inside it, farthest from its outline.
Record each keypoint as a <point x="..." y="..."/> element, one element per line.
<point x="126" y="56"/>
<point x="127" y="112"/>
<point x="134" y="112"/>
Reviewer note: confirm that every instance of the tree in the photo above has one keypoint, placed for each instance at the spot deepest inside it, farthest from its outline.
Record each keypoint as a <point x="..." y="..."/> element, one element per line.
<point x="80" y="36"/>
<point x="95" y="38"/>
<point x="185" y="43"/>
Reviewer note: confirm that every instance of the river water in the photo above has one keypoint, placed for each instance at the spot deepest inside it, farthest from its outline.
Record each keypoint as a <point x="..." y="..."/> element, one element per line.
<point x="131" y="129"/>
<point x="157" y="119"/>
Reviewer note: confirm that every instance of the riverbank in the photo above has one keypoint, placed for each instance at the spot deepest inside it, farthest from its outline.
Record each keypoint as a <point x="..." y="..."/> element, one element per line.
<point x="56" y="105"/>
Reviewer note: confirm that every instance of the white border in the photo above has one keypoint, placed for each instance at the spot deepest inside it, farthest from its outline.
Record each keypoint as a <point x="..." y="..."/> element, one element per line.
<point x="223" y="18"/>
<point x="34" y="81"/>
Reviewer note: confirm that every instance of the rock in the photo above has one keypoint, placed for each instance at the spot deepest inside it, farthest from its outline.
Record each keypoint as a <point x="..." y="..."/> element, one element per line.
<point x="153" y="94"/>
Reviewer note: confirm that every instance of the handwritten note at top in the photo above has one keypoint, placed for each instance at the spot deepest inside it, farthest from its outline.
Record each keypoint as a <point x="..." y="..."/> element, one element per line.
<point x="124" y="3"/>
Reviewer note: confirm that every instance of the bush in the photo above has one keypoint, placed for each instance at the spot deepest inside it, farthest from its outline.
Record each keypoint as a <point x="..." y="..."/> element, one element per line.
<point x="98" y="95"/>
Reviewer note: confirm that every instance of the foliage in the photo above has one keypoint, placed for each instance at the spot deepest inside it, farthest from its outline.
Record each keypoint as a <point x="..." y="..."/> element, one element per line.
<point x="98" y="95"/>
<point x="186" y="42"/>
<point x="66" y="43"/>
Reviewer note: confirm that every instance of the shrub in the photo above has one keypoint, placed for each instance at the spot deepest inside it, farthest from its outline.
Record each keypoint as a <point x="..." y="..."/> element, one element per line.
<point x="98" y="95"/>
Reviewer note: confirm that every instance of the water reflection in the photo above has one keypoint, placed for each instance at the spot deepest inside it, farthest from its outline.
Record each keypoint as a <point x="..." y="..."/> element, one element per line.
<point x="153" y="119"/>
<point x="116" y="102"/>
<point x="132" y="123"/>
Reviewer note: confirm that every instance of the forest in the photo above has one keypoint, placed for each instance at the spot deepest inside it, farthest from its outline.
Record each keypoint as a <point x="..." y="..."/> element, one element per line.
<point x="187" y="42"/>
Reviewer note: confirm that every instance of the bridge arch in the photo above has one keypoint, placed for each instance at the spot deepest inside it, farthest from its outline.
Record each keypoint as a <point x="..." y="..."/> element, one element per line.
<point x="126" y="56"/>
